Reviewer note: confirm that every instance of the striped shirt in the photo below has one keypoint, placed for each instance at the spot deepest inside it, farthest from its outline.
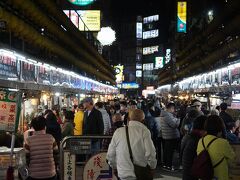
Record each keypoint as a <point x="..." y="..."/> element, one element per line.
<point x="41" y="146"/>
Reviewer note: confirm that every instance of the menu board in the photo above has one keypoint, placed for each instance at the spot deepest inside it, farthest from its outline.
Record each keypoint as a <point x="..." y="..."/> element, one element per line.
<point x="44" y="74"/>
<point x="28" y="72"/>
<point x="236" y="76"/>
<point x="55" y="77"/>
<point x="8" y="110"/>
<point x="64" y="78"/>
<point x="224" y="77"/>
<point x="8" y="66"/>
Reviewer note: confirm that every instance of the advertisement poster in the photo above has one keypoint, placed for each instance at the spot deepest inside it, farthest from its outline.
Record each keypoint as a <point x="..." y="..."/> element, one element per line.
<point x="89" y="18"/>
<point x="182" y="17"/>
<point x="159" y="62"/>
<point x="9" y="106"/>
<point x="119" y="73"/>
<point x="74" y="18"/>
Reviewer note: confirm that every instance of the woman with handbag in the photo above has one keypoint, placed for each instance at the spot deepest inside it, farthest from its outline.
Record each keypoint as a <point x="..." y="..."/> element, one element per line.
<point x="131" y="150"/>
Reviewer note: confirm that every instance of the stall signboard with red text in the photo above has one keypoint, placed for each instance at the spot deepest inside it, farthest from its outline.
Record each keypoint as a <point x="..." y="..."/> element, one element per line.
<point x="9" y="106"/>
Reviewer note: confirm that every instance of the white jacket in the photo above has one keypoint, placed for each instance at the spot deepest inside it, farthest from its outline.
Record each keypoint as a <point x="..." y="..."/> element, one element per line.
<point x="106" y="119"/>
<point x="143" y="150"/>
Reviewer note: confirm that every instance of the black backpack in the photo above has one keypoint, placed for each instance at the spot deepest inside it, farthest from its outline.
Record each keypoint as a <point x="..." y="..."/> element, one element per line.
<point x="202" y="165"/>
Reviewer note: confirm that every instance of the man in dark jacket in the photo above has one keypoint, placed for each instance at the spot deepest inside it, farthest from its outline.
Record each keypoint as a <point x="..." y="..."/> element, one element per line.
<point x="92" y="121"/>
<point x="189" y="146"/>
<point x="92" y="124"/>
<point x="224" y="115"/>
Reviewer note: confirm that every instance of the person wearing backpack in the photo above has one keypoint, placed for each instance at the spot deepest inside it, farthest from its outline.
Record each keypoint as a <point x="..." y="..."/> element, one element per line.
<point x="189" y="146"/>
<point x="216" y="148"/>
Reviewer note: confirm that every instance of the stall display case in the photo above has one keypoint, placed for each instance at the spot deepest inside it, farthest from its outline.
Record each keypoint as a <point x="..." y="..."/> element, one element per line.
<point x="19" y="160"/>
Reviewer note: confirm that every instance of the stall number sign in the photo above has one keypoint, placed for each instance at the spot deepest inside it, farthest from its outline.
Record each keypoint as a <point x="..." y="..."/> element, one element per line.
<point x="8" y="110"/>
<point x="97" y="168"/>
<point x="80" y="146"/>
<point x="69" y="166"/>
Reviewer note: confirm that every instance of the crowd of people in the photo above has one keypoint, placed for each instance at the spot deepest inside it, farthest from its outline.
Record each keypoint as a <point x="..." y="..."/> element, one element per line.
<point x="145" y="133"/>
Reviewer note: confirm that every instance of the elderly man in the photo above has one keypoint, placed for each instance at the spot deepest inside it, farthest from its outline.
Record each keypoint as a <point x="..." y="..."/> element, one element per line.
<point x="143" y="150"/>
<point x="170" y="135"/>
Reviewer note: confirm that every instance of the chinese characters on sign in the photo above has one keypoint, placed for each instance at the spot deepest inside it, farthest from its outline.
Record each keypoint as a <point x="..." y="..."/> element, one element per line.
<point x="97" y="168"/>
<point x="150" y="50"/>
<point x="150" y="34"/>
<point x="8" y="110"/>
<point x="150" y="19"/>
<point x="69" y="166"/>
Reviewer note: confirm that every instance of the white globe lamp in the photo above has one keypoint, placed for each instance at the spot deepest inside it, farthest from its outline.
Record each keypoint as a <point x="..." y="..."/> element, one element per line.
<point x="106" y="36"/>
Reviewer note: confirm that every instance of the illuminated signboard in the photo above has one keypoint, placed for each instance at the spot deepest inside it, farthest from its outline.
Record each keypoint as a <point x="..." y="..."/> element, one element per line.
<point x="150" y="19"/>
<point x="168" y="56"/>
<point x="138" y="66"/>
<point x="182" y="17"/>
<point x="130" y="85"/>
<point x="148" y="66"/>
<point x="81" y="2"/>
<point x="119" y="73"/>
<point x="139" y="30"/>
<point x="73" y="17"/>
<point x="139" y="73"/>
<point x="150" y="50"/>
<point x="150" y="34"/>
<point x="85" y="20"/>
<point x="159" y="62"/>
<point x="91" y="19"/>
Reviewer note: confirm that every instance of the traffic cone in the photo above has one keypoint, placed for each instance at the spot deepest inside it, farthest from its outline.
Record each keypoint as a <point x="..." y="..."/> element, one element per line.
<point x="10" y="173"/>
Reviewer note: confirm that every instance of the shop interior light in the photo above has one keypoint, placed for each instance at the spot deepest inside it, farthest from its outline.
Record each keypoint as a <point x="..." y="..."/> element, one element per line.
<point x="44" y="97"/>
<point x="82" y="95"/>
<point x="15" y="90"/>
<point x="57" y="94"/>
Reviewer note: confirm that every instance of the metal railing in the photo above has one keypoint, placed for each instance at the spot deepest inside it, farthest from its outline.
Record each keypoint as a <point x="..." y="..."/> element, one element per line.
<point x="79" y="143"/>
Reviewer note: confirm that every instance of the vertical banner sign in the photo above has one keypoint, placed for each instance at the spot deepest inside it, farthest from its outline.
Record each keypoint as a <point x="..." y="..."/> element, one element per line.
<point x="182" y="17"/>
<point x="10" y="107"/>
<point x="69" y="166"/>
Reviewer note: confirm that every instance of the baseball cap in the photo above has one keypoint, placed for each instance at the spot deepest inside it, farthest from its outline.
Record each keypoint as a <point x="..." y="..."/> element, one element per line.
<point x="197" y="103"/>
<point x="87" y="100"/>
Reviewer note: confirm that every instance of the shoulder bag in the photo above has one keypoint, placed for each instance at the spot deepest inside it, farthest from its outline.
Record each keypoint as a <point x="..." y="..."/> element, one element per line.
<point x="142" y="173"/>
